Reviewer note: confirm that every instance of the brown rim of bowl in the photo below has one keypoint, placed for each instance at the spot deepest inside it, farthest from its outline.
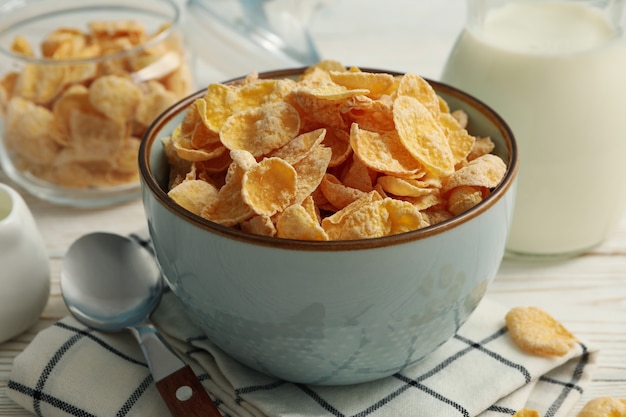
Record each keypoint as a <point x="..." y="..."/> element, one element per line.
<point x="161" y="196"/>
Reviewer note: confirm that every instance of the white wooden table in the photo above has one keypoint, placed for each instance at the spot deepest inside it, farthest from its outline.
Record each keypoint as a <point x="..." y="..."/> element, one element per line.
<point x="588" y="293"/>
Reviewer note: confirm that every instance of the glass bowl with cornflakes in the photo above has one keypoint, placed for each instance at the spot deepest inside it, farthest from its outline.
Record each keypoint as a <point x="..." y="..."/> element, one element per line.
<point x="80" y="82"/>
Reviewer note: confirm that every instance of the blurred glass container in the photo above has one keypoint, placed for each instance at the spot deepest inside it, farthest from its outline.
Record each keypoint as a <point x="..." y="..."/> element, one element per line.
<point x="79" y="84"/>
<point x="235" y="37"/>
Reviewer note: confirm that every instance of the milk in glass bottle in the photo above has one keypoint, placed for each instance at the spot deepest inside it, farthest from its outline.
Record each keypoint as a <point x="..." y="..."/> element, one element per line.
<point x="556" y="72"/>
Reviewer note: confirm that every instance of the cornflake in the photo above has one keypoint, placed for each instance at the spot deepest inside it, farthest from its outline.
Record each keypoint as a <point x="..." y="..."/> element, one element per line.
<point x="604" y="407"/>
<point x="526" y="412"/>
<point x="536" y="332"/>
<point x="338" y="154"/>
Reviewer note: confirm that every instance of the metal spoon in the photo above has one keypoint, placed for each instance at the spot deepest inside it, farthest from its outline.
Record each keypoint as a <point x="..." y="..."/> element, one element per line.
<point x="111" y="283"/>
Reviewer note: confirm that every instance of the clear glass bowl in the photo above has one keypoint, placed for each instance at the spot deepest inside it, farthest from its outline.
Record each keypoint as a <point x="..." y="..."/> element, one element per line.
<point x="80" y="82"/>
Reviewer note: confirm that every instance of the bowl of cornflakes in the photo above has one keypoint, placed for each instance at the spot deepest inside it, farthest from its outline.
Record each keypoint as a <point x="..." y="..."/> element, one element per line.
<point x="329" y="225"/>
<point x="80" y="82"/>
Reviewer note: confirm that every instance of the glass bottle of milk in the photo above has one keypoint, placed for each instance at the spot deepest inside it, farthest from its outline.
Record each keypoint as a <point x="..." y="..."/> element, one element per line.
<point x="556" y="72"/>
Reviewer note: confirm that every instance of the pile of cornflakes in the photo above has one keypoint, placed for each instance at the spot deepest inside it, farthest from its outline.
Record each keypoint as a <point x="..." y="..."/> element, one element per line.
<point x="79" y="123"/>
<point x="339" y="154"/>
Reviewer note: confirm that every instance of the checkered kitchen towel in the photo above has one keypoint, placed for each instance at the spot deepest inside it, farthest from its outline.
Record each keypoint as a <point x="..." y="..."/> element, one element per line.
<point x="70" y="370"/>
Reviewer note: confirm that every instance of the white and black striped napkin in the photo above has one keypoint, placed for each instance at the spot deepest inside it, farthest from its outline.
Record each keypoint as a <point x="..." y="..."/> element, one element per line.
<point x="70" y="370"/>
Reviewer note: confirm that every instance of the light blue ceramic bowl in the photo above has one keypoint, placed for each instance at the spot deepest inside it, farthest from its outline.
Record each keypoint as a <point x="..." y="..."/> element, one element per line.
<point x="330" y="313"/>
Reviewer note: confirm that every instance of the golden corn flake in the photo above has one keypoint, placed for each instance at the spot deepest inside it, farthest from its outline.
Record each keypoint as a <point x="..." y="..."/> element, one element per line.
<point x="463" y="198"/>
<point x="196" y="130"/>
<point x="403" y="216"/>
<point x="338" y="154"/>
<point x="30" y="130"/>
<point x="376" y="83"/>
<point x="333" y="92"/>
<point x="423" y="136"/>
<point x="461" y="118"/>
<point x="130" y="30"/>
<point x="414" y="86"/>
<point x="604" y="407"/>
<point x="312" y="210"/>
<point x="194" y="195"/>
<point x="484" y="171"/>
<point x="190" y="120"/>
<point x="259" y="225"/>
<point x="526" y="412"/>
<point x="242" y="159"/>
<point x="383" y="152"/>
<point x="269" y="186"/>
<point x="310" y="171"/>
<point x="372" y="216"/>
<point x="261" y="130"/>
<point x="404" y="187"/>
<point x="255" y="94"/>
<point x="75" y="98"/>
<point x="296" y="223"/>
<point x="358" y="175"/>
<point x="203" y="138"/>
<point x="461" y="142"/>
<point x="21" y="46"/>
<point x="339" y="142"/>
<point x="427" y="201"/>
<point x="218" y="107"/>
<point x="155" y="99"/>
<point x="364" y="218"/>
<point x="40" y="83"/>
<point x="184" y="148"/>
<point x="300" y="146"/>
<point x="536" y="332"/>
<point x="87" y="117"/>
<point x="214" y="166"/>
<point x="225" y="100"/>
<point x="125" y="159"/>
<point x="114" y="96"/>
<point x="94" y="136"/>
<point x="338" y="194"/>
<point x="435" y="214"/>
<point x="230" y="209"/>
<point x="62" y="41"/>
<point x="317" y="111"/>
<point x="443" y="106"/>
<point x="319" y="73"/>
<point x="482" y="146"/>
<point x="375" y="115"/>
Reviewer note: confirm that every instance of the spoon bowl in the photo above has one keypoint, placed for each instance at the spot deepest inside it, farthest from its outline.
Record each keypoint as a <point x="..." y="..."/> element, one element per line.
<point x="111" y="283"/>
<point x="128" y="293"/>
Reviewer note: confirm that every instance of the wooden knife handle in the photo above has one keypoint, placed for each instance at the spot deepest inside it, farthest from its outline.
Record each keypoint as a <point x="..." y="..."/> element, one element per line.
<point x="185" y="396"/>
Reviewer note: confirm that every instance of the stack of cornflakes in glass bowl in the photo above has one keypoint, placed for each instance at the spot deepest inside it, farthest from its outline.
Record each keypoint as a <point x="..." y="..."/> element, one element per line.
<point x="80" y="82"/>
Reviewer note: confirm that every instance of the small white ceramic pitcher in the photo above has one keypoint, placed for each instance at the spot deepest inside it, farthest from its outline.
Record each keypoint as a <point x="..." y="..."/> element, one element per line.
<point x="24" y="266"/>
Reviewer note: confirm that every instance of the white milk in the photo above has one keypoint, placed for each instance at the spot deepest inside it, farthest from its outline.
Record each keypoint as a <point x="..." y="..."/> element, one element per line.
<point x="556" y="72"/>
